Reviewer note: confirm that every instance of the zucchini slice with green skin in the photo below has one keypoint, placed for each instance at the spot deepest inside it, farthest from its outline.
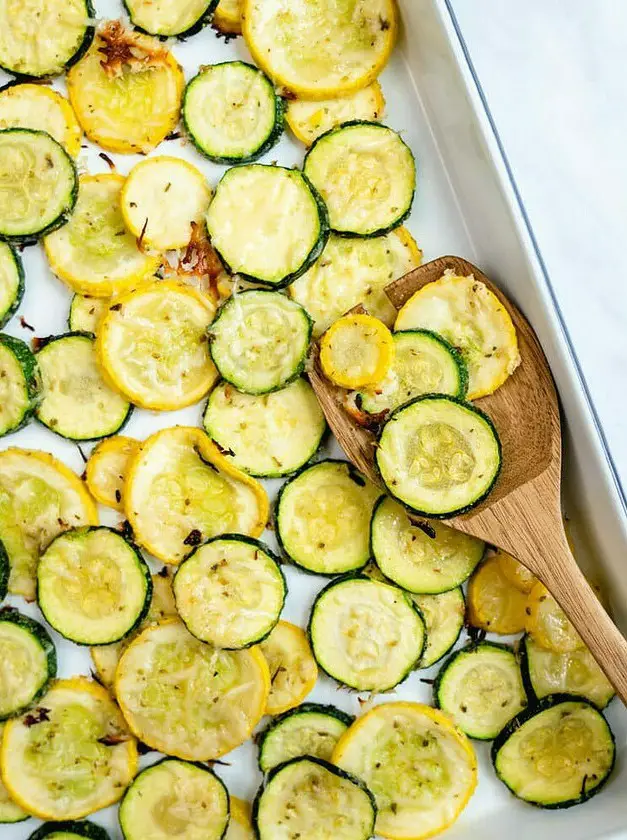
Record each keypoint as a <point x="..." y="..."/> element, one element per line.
<point x="45" y="38"/>
<point x="11" y="282"/>
<point x="366" y="175"/>
<point x="93" y="585"/>
<point x="10" y="811"/>
<point x="259" y="341"/>
<point x="267" y="223"/>
<point x="312" y="799"/>
<point x="444" y="616"/>
<point x="39" y="184"/>
<point x="230" y="591"/>
<point x="77" y="403"/>
<point x="322" y="516"/>
<point x="366" y="634"/>
<point x="86" y="313"/>
<point x="232" y="112"/>
<point x="556" y="754"/>
<point x="174" y="797"/>
<point x="310" y="729"/>
<point x="68" y="830"/>
<point x="438" y="455"/>
<point x="267" y="436"/>
<point x="293" y="669"/>
<point x="28" y="662"/>
<point x="481" y="688"/>
<point x="425" y="561"/>
<point x="424" y="363"/>
<point x="422" y="769"/>
<point x="575" y="672"/>
<point x="166" y="18"/>
<point x="5" y="571"/>
<point x="20" y="384"/>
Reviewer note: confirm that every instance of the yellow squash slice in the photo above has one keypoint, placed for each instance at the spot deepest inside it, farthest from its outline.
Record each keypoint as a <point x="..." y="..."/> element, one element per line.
<point x="309" y="119"/>
<point x="515" y="572"/>
<point x="186" y="698"/>
<point x="10" y="812"/>
<point x="227" y="18"/>
<point x="181" y="491"/>
<point x="352" y="271"/>
<point x="547" y="623"/>
<point x="93" y="253"/>
<point x="321" y="50"/>
<point x="152" y="344"/>
<point x="42" y="109"/>
<point x="240" y="826"/>
<point x="494" y="604"/>
<point x="69" y="756"/>
<point x="420" y="767"/>
<point x="126" y="91"/>
<point x="356" y="350"/>
<point x="39" y="499"/>
<point x="468" y="315"/>
<point x="293" y="670"/>
<point x="161" y="198"/>
<point x="106" y="469"/>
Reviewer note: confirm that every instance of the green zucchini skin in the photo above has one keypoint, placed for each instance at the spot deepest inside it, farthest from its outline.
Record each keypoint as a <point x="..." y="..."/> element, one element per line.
<point x="82" y="828"/>
<point x="5" y="570"/>
<point x="6" y="316"/>
<point x="32" y="379"/>
<point x="486" y="492"/>
<point x="205" y="19"/>
<point x="526" y="715"/>
<point x="39" y="632"/>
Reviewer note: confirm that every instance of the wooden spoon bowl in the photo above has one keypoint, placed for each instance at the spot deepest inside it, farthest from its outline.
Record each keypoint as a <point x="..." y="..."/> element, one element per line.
<point x="522" y="514"/>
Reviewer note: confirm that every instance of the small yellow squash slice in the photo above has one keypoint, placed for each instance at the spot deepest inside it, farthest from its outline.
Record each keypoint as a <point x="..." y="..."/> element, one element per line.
<point x="494" y="604"/>
<point x="547" y="623"/>
<point x="293" y="669"/>
<point x="309" y="119"/>
<point x="106" y="469"/>
<point x="356" y="350"/>
<point x="240" y="826"/>
<point x="42" y="109"/>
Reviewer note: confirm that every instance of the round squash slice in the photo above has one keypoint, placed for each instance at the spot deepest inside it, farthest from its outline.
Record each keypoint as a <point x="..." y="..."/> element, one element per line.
<point x="69" y="756"/>
<point x="293" y="670"/>
<point x="186" y="698"/>
<point x="227" y="18"/>
<point x="42" y="109"/>
<point x="10" y="812"/>
<point x="310" y="119"/>
<point x="548" y="624"/>
<point x="356" y="350"/>
<point x="106" y="469"/>
<point x="494" y="604"/>
<point x="240" y="824"/>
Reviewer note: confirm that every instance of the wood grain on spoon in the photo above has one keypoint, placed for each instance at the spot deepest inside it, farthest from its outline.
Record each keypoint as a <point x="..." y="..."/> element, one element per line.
<point x="522" y="514"/>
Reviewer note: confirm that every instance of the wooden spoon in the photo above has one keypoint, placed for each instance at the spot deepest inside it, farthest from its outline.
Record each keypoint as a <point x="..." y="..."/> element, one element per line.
<point x="522" y="515"/>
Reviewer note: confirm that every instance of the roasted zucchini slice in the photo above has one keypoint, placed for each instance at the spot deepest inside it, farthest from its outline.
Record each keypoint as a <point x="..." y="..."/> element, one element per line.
<point x="356" y="350"/>
<point x="227" y="19"/>
<point x="86" y="313"/>
<point x="310" y="729"/>
<point x="322" y="518"/>
<point x="556" y="754"/>
<point x="274" y="235"/>
<point x="494" y="604"/>
<point x="41" y="109"/>
<point x="575" y="672"/>
<point x="443" y="616"/>
<point x="468" y="315"/>
<point x="44" y="38"/>
<point x="39" y="498"/>
<point x="170" y="17"/>
<point x="424" y="363"/>
<point x="76" y="401"/>
<point x="11" y="282"/>
<point x="172" y="798"/>
<point x="331" y="52"/>
<point x="93" y="585"/>
<point x="106" y="469"/>
<point x="267" y="435"/>
<point x="422" y="769"/>
<point x="10" y="812"/>
<point x="69" y="756"/>
<point x="126" y="91"/>
<point x="181" y="491"/>
<point x="187" y="699"/>
<point x="311" y="799"/>
<point x="293" y="670"/>
<point x="438" y="455"/>
<point x="365" y="634"/>
<point x="515" y="572"/>
<point x="309" y="119"/>
<point x="426" y="560"/>
<point x="259" y="341"/>
<point x="161" y="198"/>
<point x="480" y="687"/>
<point x="548" y="624"/>
<point x="69" y="830"/>
<point x="20" y="384"/>
<point x="366" y="175"/>
<point x="232" y="112"/>
<point x="230" y="591"/>
<point x="353" y="271"/>
<point x="94" y="254"/>
<point x="152" y="345"/>
<point x="5" y="571"/>
<point x="28" y="661"/>
<point x="39" y="184"/>
<point x="240" y="824"/>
